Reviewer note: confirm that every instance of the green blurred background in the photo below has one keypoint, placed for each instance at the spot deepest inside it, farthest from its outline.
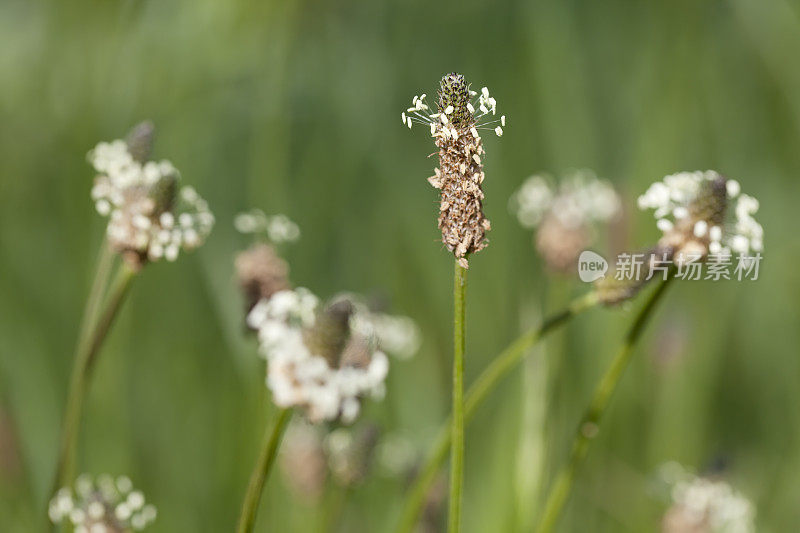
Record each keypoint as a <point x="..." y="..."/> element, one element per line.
<point x="294" y="107"/>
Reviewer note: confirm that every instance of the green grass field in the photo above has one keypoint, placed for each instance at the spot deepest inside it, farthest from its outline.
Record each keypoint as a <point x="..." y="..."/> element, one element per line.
<point x="294" y="108"/>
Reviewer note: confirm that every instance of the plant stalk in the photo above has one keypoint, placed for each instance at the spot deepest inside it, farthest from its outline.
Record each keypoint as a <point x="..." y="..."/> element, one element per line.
<point x="266" y="458"/>
<point x="457" y="426"/>
<point x="85" y="358"/>
<point x="589" y="425"/>
<point x="105" y="262"/>
<point x="478" y="391"/>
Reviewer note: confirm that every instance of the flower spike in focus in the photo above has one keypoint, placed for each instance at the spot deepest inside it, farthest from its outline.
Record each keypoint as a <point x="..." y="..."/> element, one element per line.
<point x="460" y="114"/>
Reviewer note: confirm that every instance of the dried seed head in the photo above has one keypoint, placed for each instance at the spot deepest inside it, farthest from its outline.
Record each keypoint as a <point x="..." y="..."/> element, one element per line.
<point x="260" y="273"/>
<point x="460" y="174"/>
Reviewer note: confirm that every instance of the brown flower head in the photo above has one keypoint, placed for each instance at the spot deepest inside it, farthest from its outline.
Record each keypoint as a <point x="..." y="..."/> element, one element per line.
<point x="566" y="216"/>
<point x="460" y="173"/>
<point x="260" y="273"/>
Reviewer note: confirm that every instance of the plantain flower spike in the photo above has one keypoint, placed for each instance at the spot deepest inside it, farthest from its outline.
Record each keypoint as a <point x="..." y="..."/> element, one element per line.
<point x="703" y="217"/>
<point x="459" y="116"/>
<point x="150" y="216"/>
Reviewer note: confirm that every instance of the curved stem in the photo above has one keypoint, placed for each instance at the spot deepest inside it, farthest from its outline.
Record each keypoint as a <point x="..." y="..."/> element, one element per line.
<point x="588" y="427"/>
<point x="81" y="371"/>
<point x="266" y="458"/>
<point x="457" y="437"/>
<point x="479" y="390"/>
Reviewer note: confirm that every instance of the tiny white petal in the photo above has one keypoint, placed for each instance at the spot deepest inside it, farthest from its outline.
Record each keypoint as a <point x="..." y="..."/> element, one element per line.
<point x="700" y="228"/>
<point x="171" y="253"/>
<point x="123" y="512"/>
<point x="733" y="188"/>
<point x="664" y="225"/>
<point x="103" y="207"/>
<point x="680" y="212"/>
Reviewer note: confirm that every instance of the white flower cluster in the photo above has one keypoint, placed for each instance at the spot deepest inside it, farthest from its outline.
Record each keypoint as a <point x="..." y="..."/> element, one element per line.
<point x="671" y="198"/>
<point x="395" y="334"/>
<point x="277" y="228"/>
<point x="104" y="505"/>
<point x="440" y="125"/>
<point x="704" y="505"/>
<point x="579" y="200"/>
<point x="145" y="214"/>
<point x="298" y="377"/>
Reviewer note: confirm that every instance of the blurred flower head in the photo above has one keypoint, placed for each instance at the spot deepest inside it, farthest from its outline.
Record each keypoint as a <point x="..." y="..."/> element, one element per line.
<point x="703" y="217"/>
<point x="315" y="359"/>
<point x="350" y="453"/>
<point x="565" y="216"/>
<point x="149" y="216"/>
<point x="455" y="126"/>
<point x="397" y="335"/>
<point x="702" y="214"/>
<point x="277" y="229"/>
<point x="102" y="505"/>
<point x="347" y="455"/>
<point x="703" y="505"/>
<point x="260" y="273"/>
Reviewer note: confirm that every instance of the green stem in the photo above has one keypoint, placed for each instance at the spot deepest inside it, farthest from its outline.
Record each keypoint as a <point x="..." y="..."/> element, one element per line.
<point x="266" y="458"/>
<point x="588" y="427"/>
<point x="486" y="382"/>
<point x="81" y="371"/>
<point x="105" y="261"/>
<point x="457" y="437"/>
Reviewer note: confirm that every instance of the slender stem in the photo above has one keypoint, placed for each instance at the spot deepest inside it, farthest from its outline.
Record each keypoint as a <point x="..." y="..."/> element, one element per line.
<point x="105" y="261"/>
<point x="81" y="371"/>
<point x="457" y="438"/>
<point x="486" y="382"/>
<point x="588" y="427"/>
<point x="266" y="458"/>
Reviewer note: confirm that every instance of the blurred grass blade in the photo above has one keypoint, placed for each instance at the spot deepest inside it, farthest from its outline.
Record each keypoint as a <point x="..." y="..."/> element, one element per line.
<point x="588" y="427"/>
